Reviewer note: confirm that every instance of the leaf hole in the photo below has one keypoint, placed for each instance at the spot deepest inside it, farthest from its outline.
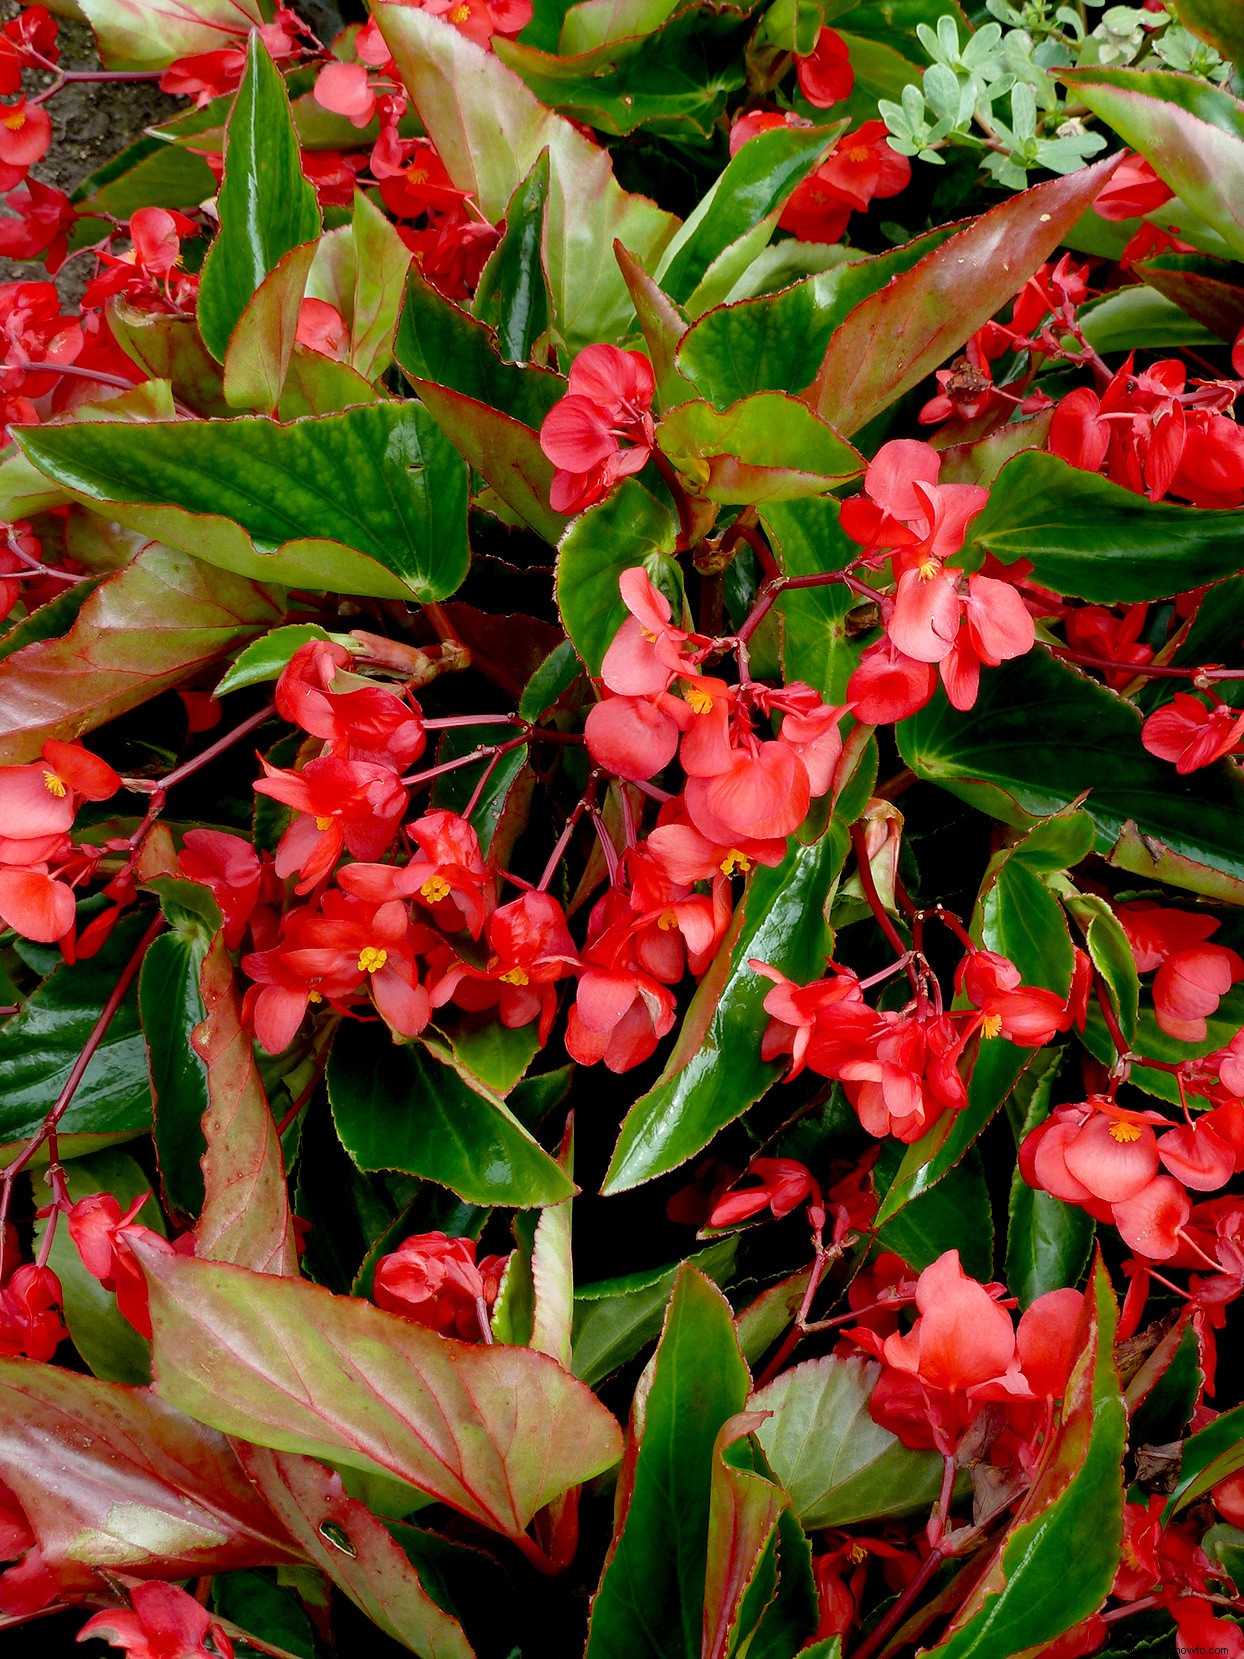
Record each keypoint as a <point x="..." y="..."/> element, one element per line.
<point x="338" y="1537"/>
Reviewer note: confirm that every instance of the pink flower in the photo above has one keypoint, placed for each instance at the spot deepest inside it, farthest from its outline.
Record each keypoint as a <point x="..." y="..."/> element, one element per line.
<point x="601" y="430"/>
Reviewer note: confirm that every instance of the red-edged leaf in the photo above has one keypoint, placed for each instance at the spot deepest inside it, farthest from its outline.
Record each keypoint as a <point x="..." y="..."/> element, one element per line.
<point x="245" y="1217"/>
<point x="345" y="1540"/>
<point x="742" y="1518"/>
<point x="900" y="334"/>
<point x="110" y="1476"/>
<point x="148" y="627"/>
<point x="496" y="1432"/>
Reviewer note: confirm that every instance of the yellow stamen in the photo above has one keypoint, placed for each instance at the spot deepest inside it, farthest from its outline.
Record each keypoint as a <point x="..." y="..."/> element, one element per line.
<point x="372" y="958"/>
<point x="434" y="889"/>
<point x="735" y="860"/>
<point x="515" y="976"/>
<point x="856" y="1554"/>
<point x="698" y="700"/>
<point x="418" y="175"/>
<point x="314" y="996"/>
<point x="323" y="823"/>
<point x="53" y="784"/>
<point x="668" y="922"/>
<point x="460" y="14"/>
<point x="15" y="120"/>
<point x="991" y="1025"/>
<point x="928" y="568"/>
<point x="1124" y="1132"/>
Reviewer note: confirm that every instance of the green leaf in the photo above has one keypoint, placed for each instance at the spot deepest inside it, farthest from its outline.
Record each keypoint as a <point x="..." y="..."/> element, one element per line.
<point x="489" y="130"/>
<point x="495" y="1433"/>
<point x="744" y="1509"/>
<point x="490" y="1051"/>
<point x="715" y="1071"/>
<point x="456" y="789"/>
<point x="491" y="410"/>
<point x="1163" y="1394"/>
<point x="1095" y="540"/>
<point x="1206" y="288"/>
<point x="1041" y="735"/>
<point x="141" y="1489"/>
<point x="266" y="205"/>
<point x="769" y="447"/>
<point x="555" y="676"/>
<point x="512" y="295"/>
<point x="767" y="343"/>
<point x="904" y="331"/>
<point x="171" y="1006"/>
<point x="266" y="658"/>
<point x="261" y="345"/>
<point x="1048" y="1243"/>
<point x="1050" y="1570"/>
<point x="1209" y="1455"/>
<point x="246" y="1213"/>
<point x="821" y="644"/>
<point x="616" y="1317"/>
<point x="744" y="202"/>
<point x="362" y="270"/>
<point x="662" y="323"/>
<point x="151" y="34"/>
<point x="258" y="1604"/>
<point x="153" y="624"/>
<point x="150" y="172"/>
<point x="650" y="1604"/>
<point x="672" y="80"/>
<point x="1215" y="21"/>
<point x="1190" y="132"/>
<point x="629" y="527"/>
<point x="1112" y="955"/>
<point x="369" y="502"/>
<point x="355" y="1550"/>
<point x="40" y="1045"/>
<point x="108" y="1344"/>
<point x="1138" y="319"/>
<point x="170" y="348"/>
<point x="838" y="1466"/>
<point x="407" y="1107"/>
<point x="954" y="1214"/>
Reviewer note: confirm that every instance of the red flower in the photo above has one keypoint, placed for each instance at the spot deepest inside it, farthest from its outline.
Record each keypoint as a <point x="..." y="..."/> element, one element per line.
<point x="450" y="880"/>
<point x="339" y="805"/>
<point x="1024" y="1014"/>
<point x="1098" y="632"/>
<point x="103" y="1234"/>
<point x="41" y="220"/>
<point x="479" y="20"/>
<point x="38" y="804"/>
<point x="165" y="1621"/>
<point x="1191" y="735"/>
<point x="25" y="134"/>
<point x="608" y="405"/>
<point x="357" y="719"/>
<point x="30" y="1314"/>
<point x="888" y="686"/>
<point x="24" y="41"/>
<point x="783" y="1184"/>
<point x="620" y="1012"/>
<point x="343" y="88"/>
<point x="863" y="165"/>
<point x="531" y="950"/>
<point x="825" y="75"/>
<point x="348" y="949"/>
<point x="32" y="330"/>
<point x="1193" y="975"/>
<point x="229" y="867"/>
<point x="204" y="75"/>
<point x="1131" y="191"/>
<point x="434" y="1281"/>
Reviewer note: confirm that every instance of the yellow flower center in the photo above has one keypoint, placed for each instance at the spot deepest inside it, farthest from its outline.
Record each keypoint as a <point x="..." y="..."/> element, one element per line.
<point x="515" y="976"/>
<point x="372" y="958"/>
<point x="15" y="120"/>
<point x="53" y="784"/>
<point x="991" y="1025"/>
<point x="314" y="996"/>
<point x="735" y="860"/>
<point x="856" y="1554"/>
<point x="668" y="922"/>
<point x="323" y="823"/>
<point x="928" y="568"/>
<point x="1124" y="1132"/>
<point x="460" y="14"/>
<point x="418" y="175"/>
<point x="699" y="700"/>
<point x="434" y="889"/>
